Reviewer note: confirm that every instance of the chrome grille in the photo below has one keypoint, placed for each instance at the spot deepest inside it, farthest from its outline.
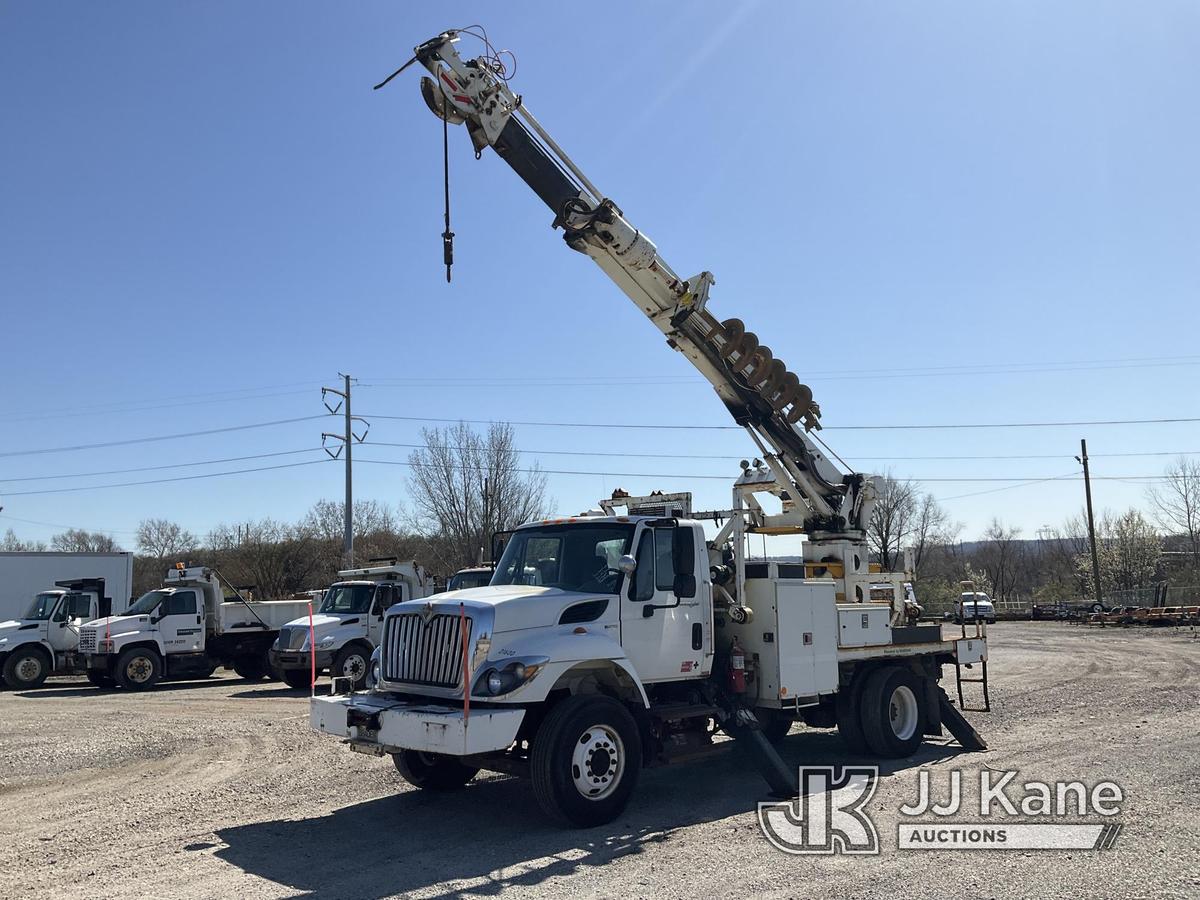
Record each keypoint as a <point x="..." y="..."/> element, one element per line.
<point x="292" y="638"/>
<point x="87" y="640"/>
<point x="430" y="653"/>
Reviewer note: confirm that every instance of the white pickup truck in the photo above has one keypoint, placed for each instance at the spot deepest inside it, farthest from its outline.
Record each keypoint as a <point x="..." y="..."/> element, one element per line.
<point x="45" y="641"/>
<point x="347" y="624"/>
<point x="187" y="628"/>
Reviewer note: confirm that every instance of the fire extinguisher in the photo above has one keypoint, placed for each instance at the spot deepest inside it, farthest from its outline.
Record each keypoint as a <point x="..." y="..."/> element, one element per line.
<point x="737" y="667"/>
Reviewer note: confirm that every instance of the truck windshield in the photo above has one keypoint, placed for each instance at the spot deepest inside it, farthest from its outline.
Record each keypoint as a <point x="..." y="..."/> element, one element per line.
<point x="43" y="606"/>
<point x="146" y="603"/>
<point x="574" y="557"/>
<point x="348" y="598"/>
<point x="466" y="579"/>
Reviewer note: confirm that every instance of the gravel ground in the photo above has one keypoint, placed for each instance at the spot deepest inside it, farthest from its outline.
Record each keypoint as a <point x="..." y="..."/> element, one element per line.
<point x="218" y="789"/>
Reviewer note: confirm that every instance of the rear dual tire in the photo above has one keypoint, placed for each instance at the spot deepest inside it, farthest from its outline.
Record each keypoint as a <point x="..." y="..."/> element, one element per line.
<point x="883" y="713"/>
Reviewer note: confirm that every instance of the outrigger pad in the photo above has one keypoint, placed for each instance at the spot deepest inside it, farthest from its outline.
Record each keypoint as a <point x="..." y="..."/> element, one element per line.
<point x="956" y="723"/>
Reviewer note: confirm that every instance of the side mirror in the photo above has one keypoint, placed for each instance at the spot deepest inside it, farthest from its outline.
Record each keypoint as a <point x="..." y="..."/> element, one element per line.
<point x="684" y="586"/>
<point x="627" y="564"/>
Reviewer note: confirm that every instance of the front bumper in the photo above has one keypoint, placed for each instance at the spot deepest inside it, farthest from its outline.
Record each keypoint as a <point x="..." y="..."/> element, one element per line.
<point x="299" y="659"/>
<point x="376" y="724"/>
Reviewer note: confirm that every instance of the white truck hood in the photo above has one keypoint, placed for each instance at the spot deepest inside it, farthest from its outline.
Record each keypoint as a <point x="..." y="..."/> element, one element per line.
<point x="515" y="606"/>
<point x="118" y="624"/>
<point x="324" y="620"/>
<point x="12" y="626"/>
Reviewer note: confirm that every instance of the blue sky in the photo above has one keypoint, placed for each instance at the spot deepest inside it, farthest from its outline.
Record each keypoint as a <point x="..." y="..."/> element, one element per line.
<point x="934" y="212"/>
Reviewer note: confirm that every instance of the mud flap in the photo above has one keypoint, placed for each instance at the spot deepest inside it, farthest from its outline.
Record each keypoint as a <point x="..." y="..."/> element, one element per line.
<point x="964" y="732"/>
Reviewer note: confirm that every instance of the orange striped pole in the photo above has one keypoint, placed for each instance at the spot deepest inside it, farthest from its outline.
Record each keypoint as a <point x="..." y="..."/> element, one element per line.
<point x="462" y="626"/>
<point x="312" y="653"/>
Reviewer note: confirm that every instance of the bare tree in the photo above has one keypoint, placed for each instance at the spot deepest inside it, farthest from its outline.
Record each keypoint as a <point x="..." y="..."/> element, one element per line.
<point x="892" y="521"/>
<point x="1176" y="503"/>
<point x="465" y="486"/>
<point x="10" y="543"/>
<point x="164" y="541"/>
<point x="1000" y="557"/>
<point x="931" y="528"/>
<point x="77" y="540"/>
<point x="273" y="558"/>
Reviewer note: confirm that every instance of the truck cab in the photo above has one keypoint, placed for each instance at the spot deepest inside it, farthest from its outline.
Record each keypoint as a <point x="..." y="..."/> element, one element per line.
<point x="347" y="624"/>
<point x="45" y="641"/>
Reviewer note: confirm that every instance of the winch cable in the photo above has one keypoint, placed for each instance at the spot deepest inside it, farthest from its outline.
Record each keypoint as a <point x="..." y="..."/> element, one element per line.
<point x="447" y="235"/>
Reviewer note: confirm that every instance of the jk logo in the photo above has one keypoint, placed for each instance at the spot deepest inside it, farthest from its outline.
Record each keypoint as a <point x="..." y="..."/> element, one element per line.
<point x="829" y="816"/>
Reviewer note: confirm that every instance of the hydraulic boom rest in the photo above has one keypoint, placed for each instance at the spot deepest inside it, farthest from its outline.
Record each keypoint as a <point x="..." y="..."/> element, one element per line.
<point x="764" y="397"/>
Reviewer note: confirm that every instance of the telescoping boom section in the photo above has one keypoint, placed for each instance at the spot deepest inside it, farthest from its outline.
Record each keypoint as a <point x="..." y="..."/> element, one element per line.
<point x="761" y="393"/>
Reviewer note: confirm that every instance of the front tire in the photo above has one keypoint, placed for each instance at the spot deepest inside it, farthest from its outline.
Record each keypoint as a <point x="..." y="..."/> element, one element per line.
<point x="298" y="679"/>
<point x="138" y="669"/>
<point x="432" y="771"/>
<point x="891" y="712"/>
<point x="352" y="662"/>
<point x="585" y="762"/>
<point x="26" y="667"/>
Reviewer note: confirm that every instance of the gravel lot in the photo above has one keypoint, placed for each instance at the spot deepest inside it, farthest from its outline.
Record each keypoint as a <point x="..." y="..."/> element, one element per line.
<point x="218" y="789"/>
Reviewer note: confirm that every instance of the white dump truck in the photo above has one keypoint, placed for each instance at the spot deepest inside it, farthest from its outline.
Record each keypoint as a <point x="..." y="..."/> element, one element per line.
<point x="629" y="637"/>
<point x="187" y="628"/>
<point x="24" y="573"/>
<point x="45" y="640"/>
<point x="347" y="623"/>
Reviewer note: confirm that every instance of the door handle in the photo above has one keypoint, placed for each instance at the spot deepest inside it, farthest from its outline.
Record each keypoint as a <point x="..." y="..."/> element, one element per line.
<point x="197" y="620"/>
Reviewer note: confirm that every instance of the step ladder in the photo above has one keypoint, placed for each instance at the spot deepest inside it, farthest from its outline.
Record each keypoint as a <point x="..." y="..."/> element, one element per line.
<point x="959" y="680"/>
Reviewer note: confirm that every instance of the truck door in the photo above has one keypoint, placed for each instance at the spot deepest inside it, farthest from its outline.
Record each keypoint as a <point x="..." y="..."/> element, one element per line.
<point x="663" y="620"/>
<point x="63" y="633"/>
<point x="181" y="623"/>
<point x="386" y="595"/>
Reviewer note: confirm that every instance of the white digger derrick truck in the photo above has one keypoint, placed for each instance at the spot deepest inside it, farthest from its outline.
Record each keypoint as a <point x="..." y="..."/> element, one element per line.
<point x="624" y="637"/>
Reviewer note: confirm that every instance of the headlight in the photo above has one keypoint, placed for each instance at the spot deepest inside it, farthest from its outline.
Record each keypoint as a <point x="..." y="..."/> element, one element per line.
<point x="104" y="646"/>
<point x="373" y="670"/>
<point x="496" y="681"/>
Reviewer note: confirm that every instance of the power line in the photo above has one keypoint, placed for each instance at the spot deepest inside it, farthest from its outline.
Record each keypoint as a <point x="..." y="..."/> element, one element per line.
<point x="68" y="527"/>
<point x="204" y="462"/>
<point x="1010" y="487"/>
<point x="161" y="437"/>
<point x="660" y="427"/>
<point x="166" y="402"/>
<point x="949" y="479"/>
<point x="98" y="487"/>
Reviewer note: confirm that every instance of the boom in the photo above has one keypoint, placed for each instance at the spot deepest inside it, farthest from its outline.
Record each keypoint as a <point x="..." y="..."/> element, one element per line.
<point x="762" y="395"/>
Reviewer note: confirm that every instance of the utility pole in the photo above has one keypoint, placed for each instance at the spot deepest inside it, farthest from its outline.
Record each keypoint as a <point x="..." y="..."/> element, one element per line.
<point x="1087" y="488"/>
<point x="348" y="439"/>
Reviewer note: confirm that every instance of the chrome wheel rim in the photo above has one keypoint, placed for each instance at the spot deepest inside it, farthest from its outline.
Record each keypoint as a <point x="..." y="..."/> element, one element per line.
<point x="597" y="762"/>
<point x="903" y="712"/>
<point x="355" y="666"/>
